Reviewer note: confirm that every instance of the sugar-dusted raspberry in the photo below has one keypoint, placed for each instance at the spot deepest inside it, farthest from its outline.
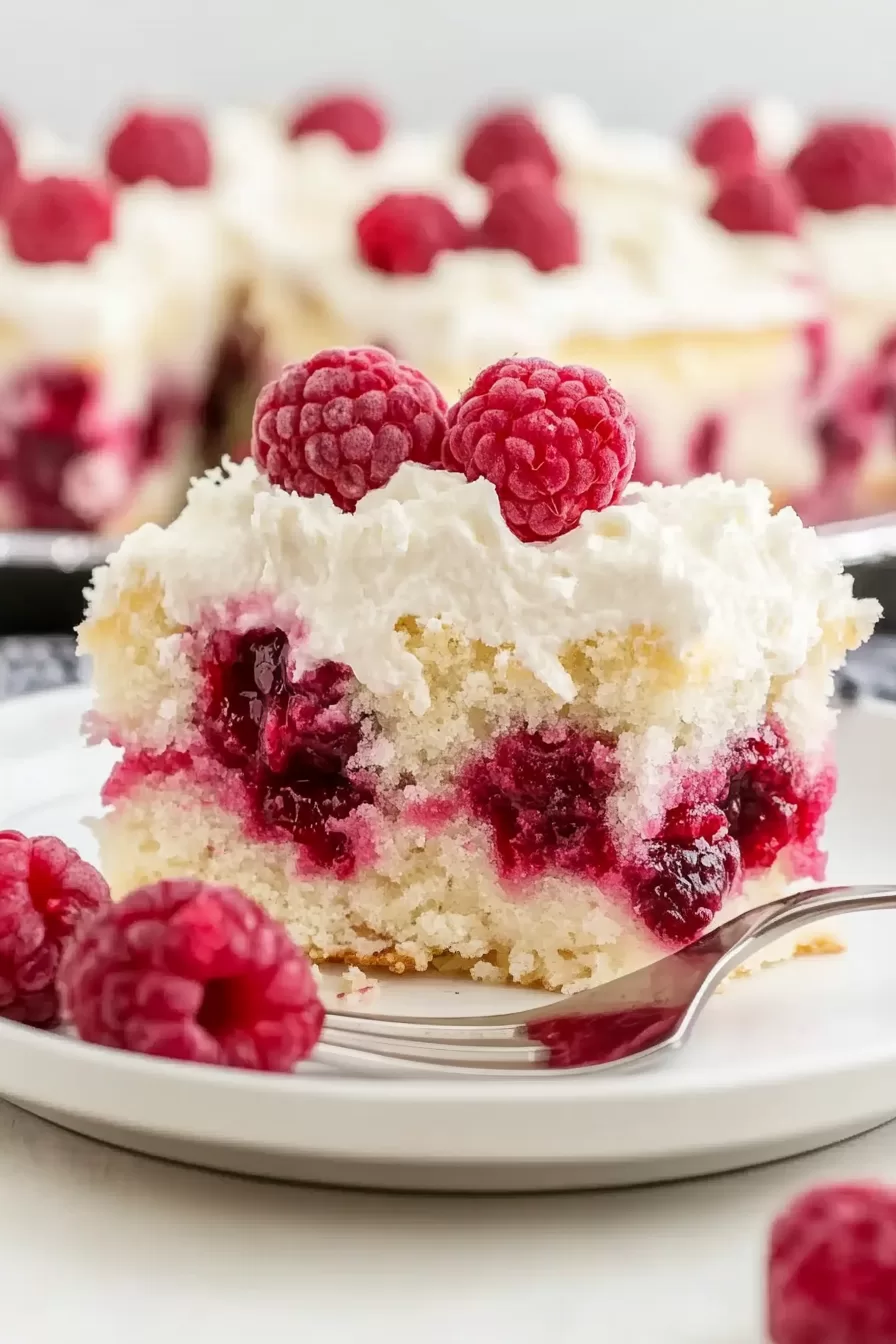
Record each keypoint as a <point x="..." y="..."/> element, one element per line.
<point x="846" y="164"/>
<point x="54" y="219"/>
<point x="757" y="202"/>
<point x="359" y="122"/>
<point x="342" y="423"/>
<point x="726" y="142"/>
<point x="171" y="147"/>
<point x="553" y="440"/>
<point x="511" y="136"/>
<point x="9" y="163"/>
<point x="528" y="217"/>
<point x="404" y="232"/>
<point x="46" y="892"/>
<point x="832" y="1268"/>
<point x="195" y="971"/>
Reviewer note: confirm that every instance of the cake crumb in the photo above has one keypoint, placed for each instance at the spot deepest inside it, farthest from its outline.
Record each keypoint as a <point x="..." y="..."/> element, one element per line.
<point x="486" y="971"/>
<point x="358" y="985"/>
<point x="820" y="945"/>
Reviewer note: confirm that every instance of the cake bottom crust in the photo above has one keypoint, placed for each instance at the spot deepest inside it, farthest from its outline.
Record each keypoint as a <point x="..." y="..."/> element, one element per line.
<point x="425" y="901"/>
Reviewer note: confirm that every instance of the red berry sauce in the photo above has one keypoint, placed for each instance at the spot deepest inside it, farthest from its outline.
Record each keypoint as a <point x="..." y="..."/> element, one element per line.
<point x="293" y="740"/>
<point x="544" y="798"/>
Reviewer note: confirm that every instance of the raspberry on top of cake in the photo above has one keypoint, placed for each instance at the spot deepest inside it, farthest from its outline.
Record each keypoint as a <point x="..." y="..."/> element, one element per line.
<point x="438" y="687"/>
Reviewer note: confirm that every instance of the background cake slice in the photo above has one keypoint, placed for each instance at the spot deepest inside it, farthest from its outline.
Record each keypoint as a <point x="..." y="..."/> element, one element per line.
<point x="439" y="691"/>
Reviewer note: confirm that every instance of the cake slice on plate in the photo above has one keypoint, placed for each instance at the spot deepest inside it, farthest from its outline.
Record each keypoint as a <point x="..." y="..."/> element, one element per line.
<point x="438" y="690"/>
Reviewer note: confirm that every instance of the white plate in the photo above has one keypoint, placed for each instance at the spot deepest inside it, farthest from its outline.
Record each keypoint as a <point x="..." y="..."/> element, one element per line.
<point x="782" y="1062"/>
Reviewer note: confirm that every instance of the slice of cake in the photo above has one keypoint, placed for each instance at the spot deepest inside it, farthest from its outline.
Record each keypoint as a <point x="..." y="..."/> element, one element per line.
<point x="439" y="691"/>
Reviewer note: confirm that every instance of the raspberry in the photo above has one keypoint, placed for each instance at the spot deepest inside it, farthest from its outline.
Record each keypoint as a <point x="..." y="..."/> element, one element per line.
<point x="507" y="137"/>
<point x="46" y="890"/>
<point x="529" y="218"/>
<point x="9" y="163"/>
<point x="190" y="970"/>
<point x="687" y="873"/>
<point x="844" y="165"/>
<point x="543" y="796"/>
<point x="726" y="142"/>
<point x="554" y="441"/>
<point x="342" y="423"/>
<point x="832" y="1268"/>
<point x="173" y="148"/>
<point x="58" y="219"/>
<point x="404" y="233"/>
<point x="292" y="739"/>
<point x="359" y="123"/>
<point x="757" y="202"/>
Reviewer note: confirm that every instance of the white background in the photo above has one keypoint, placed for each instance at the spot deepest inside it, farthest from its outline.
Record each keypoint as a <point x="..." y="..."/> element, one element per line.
<point x="70" y="63"/>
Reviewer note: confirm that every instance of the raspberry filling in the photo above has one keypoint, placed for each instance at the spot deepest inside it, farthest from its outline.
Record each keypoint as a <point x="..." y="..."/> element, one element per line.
<point x="544" y="798"/>
<point x="66" y="467"/>
<point x="293" y="740"/>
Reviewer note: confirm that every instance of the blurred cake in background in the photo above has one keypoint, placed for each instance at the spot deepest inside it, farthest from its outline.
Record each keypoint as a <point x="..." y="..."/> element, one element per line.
<point x="546" y="231"/>
<point x="739" y="284"/>
<point x="118" y="288"/>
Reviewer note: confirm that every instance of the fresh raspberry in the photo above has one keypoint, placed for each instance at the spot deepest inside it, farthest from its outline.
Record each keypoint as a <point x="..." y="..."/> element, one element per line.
<point x="846" y="164"/>
<point x="191" y="970"/>
<point x="359" y="123"/>
<point x="58" y="219"/>
<point x="832" y="1268"/>
<point x="173" y="148"/>
<point x="726" y="142"/>
<point x="9" y="163"/>
<point x="507" y="137"/>
<point x="529" y="218"/>
<point x="554" y="441"/>
<point x="525" y="173"/>
<point x="46" y="890"/>
<point x="342" y="423"/>
<point x="757" y="202"/>
<point x="404" y="233"/>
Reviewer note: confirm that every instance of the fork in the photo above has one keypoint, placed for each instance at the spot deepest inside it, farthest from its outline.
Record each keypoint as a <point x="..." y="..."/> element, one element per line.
<point x="634" y="1021"/>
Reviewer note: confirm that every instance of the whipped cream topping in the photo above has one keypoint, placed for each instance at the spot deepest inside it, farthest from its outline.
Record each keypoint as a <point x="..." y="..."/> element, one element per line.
<point x="612" y="160"/>
<point x="854" y="252"/>
<point x="180" y="238"/>
<point x="307" y="194"/>
<point x="662" y="268"/>
<point x="676" y="560"/>
<point x="100" y="313"/>
<point x="651" y="260"/>
<point x="779" y="129"/>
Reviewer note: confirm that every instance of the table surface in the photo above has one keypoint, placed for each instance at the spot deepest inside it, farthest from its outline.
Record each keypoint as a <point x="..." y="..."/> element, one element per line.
<point x="104" y="1247"/>
<point x="101" y="1246"/>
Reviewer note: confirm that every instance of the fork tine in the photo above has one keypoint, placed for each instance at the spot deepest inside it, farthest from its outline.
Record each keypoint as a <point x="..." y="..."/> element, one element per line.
<point x="510" y="1056"/>
<point x="406" y="1029"/>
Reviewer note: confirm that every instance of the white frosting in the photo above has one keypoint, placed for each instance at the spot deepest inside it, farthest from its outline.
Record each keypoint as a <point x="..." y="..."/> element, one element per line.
<point x="99" y="312"/>
<point x="854" y="252"/>
<point x="297" y="205"/>
<point x="682" y="560"/>
<point x="664" y="269"/>
<point x="179" y="237"/>
<point x="617" y="160"/>
<point x="651" y="262"/>
<point x="779" y="129"/>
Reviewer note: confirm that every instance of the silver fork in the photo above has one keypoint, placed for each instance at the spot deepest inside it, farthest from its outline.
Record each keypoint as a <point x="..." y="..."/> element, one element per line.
<point x="633" y="1021"/>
